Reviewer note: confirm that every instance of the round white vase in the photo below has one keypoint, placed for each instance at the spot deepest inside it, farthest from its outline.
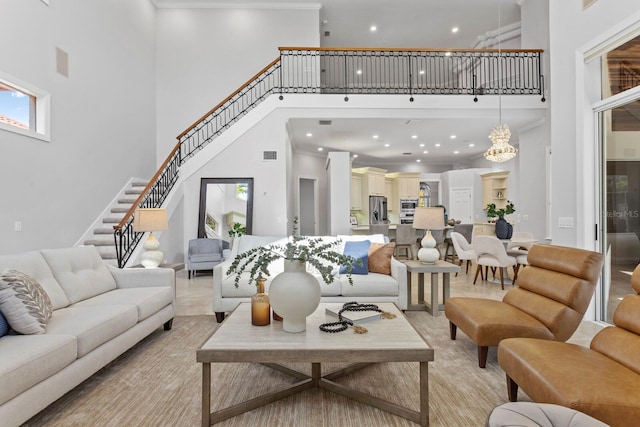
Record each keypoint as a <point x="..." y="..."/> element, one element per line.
<point x="294" y="294"/>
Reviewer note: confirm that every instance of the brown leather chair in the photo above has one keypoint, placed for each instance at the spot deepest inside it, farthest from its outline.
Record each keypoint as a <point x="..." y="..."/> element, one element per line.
<point x="549" y="302"/>
<point x="602" y="381"/>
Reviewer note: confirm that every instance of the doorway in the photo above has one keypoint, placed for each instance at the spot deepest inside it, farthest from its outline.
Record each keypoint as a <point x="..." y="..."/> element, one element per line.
<point x="461" y="205"/>
<point x="307" y="206"/>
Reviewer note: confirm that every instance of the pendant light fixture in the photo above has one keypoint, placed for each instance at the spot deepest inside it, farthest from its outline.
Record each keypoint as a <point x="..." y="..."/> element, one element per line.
<point x="500" y="150"/>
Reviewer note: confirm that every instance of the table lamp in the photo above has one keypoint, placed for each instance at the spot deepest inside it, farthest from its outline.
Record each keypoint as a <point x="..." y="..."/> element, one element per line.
<point x="150" y="219"/>
<point x="428" y="219"/>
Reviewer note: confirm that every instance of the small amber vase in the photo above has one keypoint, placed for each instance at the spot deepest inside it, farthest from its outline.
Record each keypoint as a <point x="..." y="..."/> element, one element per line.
<point x="260" y="307"/>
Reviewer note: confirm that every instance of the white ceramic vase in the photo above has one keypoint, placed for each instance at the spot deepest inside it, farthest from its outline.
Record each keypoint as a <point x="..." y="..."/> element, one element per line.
<point x="294" y="294"/>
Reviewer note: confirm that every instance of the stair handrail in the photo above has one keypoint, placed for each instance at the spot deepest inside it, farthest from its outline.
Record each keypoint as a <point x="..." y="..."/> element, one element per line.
<point x="153" y="195"/>
<point x="272" y="79"/>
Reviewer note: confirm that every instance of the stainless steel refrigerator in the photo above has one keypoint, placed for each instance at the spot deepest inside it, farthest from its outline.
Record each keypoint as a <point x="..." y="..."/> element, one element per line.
<point x="377" y="210"/>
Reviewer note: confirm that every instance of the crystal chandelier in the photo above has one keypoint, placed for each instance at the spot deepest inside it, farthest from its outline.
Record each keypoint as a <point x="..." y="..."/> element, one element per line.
<point x="500" y="149"/>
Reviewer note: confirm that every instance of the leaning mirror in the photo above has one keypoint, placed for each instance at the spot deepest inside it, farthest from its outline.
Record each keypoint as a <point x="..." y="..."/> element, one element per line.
<point x="223" y="202"/>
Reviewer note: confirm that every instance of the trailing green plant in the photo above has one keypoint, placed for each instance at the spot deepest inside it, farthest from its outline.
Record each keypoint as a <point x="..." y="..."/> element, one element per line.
<point x="314" y="251"/>
<point x="237" y="230"/>
<point x="492" y="212"/>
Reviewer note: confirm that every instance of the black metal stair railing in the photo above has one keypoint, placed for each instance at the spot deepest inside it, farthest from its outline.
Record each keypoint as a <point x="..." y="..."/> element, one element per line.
<point x="301" y="70"/>
<point x="153" y="196"/>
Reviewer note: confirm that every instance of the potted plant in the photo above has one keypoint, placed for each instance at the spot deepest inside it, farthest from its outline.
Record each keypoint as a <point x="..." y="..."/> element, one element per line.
<point x="504" y="230"/>
<point x="294" y="293"/>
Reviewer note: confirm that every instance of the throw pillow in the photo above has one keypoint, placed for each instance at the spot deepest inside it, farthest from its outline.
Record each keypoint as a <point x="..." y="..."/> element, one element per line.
<point x="4" y="326"/>
<point x="358" y="250"/>
<point x="380" y="257"/>
<point x="24" y="303"/>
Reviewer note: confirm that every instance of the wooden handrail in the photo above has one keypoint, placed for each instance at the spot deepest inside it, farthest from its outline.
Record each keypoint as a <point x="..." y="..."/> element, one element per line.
<point x="247" y="83"/>
<point x="404" y="49"/>
<point x="146" y="189"/>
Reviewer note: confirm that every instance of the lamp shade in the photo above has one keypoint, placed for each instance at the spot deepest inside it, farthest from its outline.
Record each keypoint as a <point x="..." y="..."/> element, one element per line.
<point x="150" y="219"/>
<point x="428" y="218"/>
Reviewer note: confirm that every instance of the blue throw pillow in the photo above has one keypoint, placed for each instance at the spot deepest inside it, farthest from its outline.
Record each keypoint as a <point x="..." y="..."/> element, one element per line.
<point x="358" y="250"/>
<point x="4" y="326"/>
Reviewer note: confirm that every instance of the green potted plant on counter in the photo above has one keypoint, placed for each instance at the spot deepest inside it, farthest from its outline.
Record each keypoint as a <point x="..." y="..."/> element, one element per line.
<point x="504" y="230"/>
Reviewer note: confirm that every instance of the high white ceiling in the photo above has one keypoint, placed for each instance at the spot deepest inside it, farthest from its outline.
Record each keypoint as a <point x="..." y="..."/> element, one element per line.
<point x="400" y="23"/>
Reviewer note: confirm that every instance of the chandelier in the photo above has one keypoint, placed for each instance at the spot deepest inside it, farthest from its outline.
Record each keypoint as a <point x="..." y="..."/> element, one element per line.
<point x="500" y="150"/>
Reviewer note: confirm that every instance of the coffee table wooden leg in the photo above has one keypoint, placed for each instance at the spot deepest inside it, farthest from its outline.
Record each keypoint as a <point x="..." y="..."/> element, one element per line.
<point x="424" y="394"/>
<point x="206" y="394"/>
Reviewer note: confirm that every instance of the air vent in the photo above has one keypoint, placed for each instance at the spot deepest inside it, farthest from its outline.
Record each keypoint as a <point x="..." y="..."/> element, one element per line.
<point x="324" y="122"/>
<point x="407" y="154"/>
<point x="327" y="33"/>
<point x="269" y="155"/>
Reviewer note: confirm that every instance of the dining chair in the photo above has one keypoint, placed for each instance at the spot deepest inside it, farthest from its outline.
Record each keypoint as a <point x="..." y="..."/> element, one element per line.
<point x="405" y="239"/>
<point x="467" y="232"/>
<point x="464" y="250"/>
<point x="379" y="229"/>
<point x="491" y="252"/>
<point x="521" y="242"/>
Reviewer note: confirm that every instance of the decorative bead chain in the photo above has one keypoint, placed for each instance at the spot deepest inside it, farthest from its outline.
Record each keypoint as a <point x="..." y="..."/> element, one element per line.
<point x="342" y="324"/>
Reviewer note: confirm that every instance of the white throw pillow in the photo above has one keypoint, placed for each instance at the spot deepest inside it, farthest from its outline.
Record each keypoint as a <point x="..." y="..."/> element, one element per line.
<point x="24" y="303"/>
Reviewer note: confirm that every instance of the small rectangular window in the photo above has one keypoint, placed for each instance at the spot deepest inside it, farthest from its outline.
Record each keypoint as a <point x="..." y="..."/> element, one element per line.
<point x="17" y="108"/>
<point x="24" y="109"/>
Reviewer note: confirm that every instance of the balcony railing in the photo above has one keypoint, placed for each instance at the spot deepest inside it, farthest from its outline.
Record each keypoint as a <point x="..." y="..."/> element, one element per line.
<point x="298" y="70"/>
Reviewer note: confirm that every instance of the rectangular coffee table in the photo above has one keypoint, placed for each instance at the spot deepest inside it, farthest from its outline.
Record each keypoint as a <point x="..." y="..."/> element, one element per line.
<point x="387" y="340"/>
<point x="420" y="268"/>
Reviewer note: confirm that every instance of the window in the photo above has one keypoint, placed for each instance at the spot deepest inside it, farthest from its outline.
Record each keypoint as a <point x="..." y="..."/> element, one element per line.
<point x="24" y="109"/>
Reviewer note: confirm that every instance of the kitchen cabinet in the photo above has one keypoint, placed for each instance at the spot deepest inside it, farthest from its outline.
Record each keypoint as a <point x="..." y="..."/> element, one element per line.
<point x="408" y="185"/>
<point x="388" y="192"/>
<point x="495" y="189"/>
<point x="356" y="192"/>
<point x="376" y="182"/>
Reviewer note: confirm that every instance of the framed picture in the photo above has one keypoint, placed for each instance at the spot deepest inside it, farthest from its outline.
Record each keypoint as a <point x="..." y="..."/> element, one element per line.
<point x="353" y="220"/>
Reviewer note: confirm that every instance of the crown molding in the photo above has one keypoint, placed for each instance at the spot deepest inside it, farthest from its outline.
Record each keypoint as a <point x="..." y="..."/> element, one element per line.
<point x="211" y="4"/>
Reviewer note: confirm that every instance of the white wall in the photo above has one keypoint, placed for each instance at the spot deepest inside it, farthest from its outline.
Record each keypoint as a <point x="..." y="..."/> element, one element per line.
<point x="573" y="150"/>
<point x="103" y="115"/>
<point x="313" y="167"/>
<point x="203" y="55"/>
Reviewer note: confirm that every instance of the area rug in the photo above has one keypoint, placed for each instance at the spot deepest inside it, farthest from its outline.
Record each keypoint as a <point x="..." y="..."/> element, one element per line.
<point x="157" y="383"/>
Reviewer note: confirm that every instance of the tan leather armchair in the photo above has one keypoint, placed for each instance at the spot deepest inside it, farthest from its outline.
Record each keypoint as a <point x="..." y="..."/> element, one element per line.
<point x="602" y="381"/>
<point x="549" y="302"/>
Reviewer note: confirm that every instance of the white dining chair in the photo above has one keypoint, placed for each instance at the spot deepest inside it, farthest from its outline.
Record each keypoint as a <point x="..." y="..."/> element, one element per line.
<point x="521" y="242"/>
<point x="491" y="252"/>
<point x="464" y="250"/>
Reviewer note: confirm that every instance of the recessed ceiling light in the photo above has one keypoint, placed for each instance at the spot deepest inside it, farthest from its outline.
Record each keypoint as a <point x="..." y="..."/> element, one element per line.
<point x="456" y="152"/>
<point x="418" y="161"/>
<point x="437" y="145"/>
<point x="359" y="72"/>
<point x="421" y="145"/>
<point x="387" y="145"/>
<point x="447" y="54"/>
<point x="309" y="135"/>
<point x="373" y="28"/>
<point x="320" y="148"/>
<point x="455" y="29"/>
<point x="414" y="136"/>
<point x="421" y="71"/>
<point x="425" y="152"/>
<point x="472" y="145"/>
<point x="452" y="137"/>
<point x="375" y="136"/>
<point x="355" y="155"/>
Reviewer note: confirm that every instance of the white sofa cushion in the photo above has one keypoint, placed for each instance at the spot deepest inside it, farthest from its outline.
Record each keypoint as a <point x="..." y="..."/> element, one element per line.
<point x="80" y="272"/>
<point x="34" y="264"/>
<point x="93" y="325"/>
<point x="30" y="359"/>
<point x="372" y="284"/>
<point x="147" y="300"/>
<point x="24" y="303"/>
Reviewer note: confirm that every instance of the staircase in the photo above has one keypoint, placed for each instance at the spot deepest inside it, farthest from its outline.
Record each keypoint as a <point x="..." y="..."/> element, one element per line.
<point x="102" y="234"/>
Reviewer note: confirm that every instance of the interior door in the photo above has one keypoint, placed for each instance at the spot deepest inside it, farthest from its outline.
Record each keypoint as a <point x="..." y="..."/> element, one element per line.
<point x="460" y="208"/>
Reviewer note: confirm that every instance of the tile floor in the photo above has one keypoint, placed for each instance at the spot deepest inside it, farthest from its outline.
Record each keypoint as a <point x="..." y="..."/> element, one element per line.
<point x="194" y="296"/>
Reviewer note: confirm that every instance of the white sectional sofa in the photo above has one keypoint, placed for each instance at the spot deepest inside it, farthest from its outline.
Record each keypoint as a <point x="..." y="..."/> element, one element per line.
<point x="372" y="287"/>
<point x="99" y="312"/>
